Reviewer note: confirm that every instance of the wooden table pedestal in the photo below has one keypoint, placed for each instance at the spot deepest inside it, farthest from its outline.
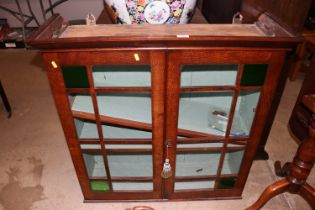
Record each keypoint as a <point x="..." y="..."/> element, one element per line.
<point x="298" y="171"/>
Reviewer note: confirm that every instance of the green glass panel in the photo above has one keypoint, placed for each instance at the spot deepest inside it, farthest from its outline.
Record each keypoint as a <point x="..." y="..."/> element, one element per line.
<point x="75" y="77"/>
<point x="227" y="183"/>
<point x="99" y="186"/>
<point x="254" y="74"/>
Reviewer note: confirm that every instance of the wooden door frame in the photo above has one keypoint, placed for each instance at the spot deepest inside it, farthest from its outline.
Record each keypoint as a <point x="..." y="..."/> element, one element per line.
<point x="176" y="58"/>
<point x="156" y="59"/>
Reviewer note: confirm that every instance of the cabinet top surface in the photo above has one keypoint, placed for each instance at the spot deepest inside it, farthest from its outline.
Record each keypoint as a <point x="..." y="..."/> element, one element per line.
<point x="176" y="31"/>
<point x="55" y="34"/>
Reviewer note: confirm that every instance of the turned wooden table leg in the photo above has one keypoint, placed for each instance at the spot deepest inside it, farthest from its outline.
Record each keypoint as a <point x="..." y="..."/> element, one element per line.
<point x="308" y="193"/>
<point x="298" y="171"/>
<point x="270" y="192"/>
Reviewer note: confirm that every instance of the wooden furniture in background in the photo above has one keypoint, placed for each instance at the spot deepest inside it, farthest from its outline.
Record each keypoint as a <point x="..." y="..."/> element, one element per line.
<point x="292" y="13"/>
<point x="305" y="50"/>
<point x="130" y="96"/>
<point x="299" y="120"/>
<point x="298" y="171"/>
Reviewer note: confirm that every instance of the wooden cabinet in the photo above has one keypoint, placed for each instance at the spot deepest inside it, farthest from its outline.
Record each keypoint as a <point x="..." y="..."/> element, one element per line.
<point x="128" y="102"/>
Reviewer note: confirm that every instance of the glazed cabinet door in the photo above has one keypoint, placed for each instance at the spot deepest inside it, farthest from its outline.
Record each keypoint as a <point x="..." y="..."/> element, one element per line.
<point x="111" y="104"/>
<point x="217" y="101"/>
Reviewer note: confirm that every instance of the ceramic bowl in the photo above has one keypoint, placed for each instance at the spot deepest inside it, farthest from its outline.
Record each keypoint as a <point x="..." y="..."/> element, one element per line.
<point x="151" y="11"/>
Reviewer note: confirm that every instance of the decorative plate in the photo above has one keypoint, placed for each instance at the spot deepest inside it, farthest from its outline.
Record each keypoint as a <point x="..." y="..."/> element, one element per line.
<point x="157" y="12"/>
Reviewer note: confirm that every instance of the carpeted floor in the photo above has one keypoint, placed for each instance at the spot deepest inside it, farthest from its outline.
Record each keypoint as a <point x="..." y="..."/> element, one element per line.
<point x="36" y="171"/>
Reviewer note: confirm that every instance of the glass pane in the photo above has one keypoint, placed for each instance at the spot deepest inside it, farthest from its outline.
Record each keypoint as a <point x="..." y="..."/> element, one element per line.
<point x="197" y="163"/>
<point x="208" y="75"/>
<point x="81" y="102"/>
<point x="122" y="76"/>
<point x="75" y="76"/>
<point x="128" y="146"/>
<point x="227" y="183"/>
<point x="126" y="106"/>
<point x="99" y="185"/>
<point x="94" y="164"/>
<point x="232" y="162"/>
<point x="194" y="185"/>
<point x="203" y="145"/>
<point x="245" y="112"/>
<point x="254" y="74"/>
<point x="132" y="186"/>
<point x="90" y="146"/>
<point x="110" y="131"/>
<point x="135" y="164"/>
<point x="199" y="145"/>
<point x="206" y="112"/>
<point x="86" y="129"/>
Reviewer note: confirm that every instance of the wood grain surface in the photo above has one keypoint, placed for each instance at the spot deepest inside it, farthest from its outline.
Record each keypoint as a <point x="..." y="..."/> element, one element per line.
<point x="147" y="30"/>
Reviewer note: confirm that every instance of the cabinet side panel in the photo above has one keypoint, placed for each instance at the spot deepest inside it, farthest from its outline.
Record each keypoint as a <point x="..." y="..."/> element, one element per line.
<point x="267" y="94"/>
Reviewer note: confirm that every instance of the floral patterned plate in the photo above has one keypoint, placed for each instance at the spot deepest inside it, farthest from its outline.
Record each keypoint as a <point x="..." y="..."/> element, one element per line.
<point x="151" y="11"/>
<point x="157" y="12"/>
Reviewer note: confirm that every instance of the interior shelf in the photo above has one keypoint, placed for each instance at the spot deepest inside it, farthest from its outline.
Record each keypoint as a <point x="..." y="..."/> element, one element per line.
<point x="128" y="109"/>
<point x="135" y="107"/>
<point x="88" y="130"/>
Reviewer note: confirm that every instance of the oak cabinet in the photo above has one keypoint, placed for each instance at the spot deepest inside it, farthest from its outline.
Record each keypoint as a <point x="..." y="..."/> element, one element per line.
<point x="128" y="103"/>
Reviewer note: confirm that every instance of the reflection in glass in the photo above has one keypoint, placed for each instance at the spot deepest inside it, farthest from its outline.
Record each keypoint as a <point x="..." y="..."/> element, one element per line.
<point x="244" y="112"/>
<point x="86" y="129"/>
<point x="202" y="111"/>
<point x="122" y="76"/>
<point x="94" y="164"/>
<point x="208" y="75"/>
<point x="232" y="162"/>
